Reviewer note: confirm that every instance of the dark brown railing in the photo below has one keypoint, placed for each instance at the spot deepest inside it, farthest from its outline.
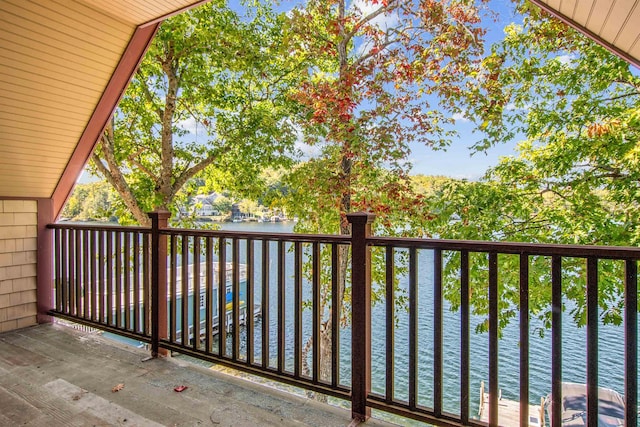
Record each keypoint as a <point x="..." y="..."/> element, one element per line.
<point x="99" y="270"/>
<point x="490" y="251"/>
<point x="168" y="287"/>
<point x="253" y="265"/>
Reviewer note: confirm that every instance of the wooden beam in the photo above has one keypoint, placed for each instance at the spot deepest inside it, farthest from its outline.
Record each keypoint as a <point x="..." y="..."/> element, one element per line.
<point x="111" y="96"/>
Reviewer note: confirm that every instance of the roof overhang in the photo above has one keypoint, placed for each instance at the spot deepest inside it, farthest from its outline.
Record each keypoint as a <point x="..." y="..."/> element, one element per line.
<point x="615" y="24"/>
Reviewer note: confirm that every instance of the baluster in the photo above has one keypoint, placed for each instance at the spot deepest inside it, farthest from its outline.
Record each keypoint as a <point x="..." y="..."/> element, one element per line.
<point x="524" y="340"/>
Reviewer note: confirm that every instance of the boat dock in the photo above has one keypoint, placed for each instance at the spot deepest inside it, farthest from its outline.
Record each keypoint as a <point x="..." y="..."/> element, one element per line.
<point x="509" y="411"/>
<point x="257" y="310"/>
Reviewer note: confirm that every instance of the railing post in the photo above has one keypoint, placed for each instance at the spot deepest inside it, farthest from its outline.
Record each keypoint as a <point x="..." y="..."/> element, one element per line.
<point x="360" y="314"/>
<point x="159" y="221"/>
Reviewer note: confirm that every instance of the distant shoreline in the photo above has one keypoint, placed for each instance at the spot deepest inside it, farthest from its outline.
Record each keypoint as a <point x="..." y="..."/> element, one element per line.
<point x="207" y="219"/>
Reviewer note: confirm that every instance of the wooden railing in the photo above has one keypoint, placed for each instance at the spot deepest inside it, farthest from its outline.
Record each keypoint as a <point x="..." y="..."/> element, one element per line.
<point x="272" y="305"/>
<point x="264" y="291"/>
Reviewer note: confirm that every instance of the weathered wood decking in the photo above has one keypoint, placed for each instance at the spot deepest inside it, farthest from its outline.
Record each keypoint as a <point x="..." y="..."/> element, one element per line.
<point x="56" y="376"/>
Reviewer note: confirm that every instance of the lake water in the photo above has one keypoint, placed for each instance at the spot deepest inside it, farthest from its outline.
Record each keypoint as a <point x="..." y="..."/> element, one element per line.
<point x="611" y="345"/>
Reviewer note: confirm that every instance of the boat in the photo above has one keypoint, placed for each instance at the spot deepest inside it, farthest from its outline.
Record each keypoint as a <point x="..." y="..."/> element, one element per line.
<point x="509" y="410"/>
<point x="611" y="406"/>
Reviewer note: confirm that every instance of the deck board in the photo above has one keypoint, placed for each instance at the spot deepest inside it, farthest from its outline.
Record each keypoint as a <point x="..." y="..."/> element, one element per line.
<point x="57" y="376"/>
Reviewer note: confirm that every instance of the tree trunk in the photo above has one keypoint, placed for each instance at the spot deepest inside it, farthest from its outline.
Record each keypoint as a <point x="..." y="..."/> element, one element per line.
<point x="111" y="172"/>
<point x="346" y="163"/>
<point x="166" y="188"/>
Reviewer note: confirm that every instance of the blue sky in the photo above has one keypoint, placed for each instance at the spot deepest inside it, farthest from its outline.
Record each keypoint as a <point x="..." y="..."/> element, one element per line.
<point x="458" y="160"/>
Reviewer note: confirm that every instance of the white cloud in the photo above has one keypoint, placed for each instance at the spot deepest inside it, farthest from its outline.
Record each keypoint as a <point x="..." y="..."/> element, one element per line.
<point x="383" y="21"/>
<point x="308" y="151"/>
<point x="512" y="107"/>
<point x="190" y="125"/>
<point x="565" y="59"/>
<point x="86" y="177"/>
<point x="460" y="117"/>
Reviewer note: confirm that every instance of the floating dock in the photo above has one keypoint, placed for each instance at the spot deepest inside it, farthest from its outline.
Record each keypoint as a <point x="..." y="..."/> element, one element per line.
<point x="509" y="411"/>
<point x="257" y="311"/>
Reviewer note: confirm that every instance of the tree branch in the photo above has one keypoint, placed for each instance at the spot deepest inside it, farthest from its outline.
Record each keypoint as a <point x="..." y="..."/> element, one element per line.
<point x="140" y="166"/>
<point x="393" y="4"/>
<point x="114" y="176"/>
<point x="189" y="173"/>
<point x="615" y="98"/>
<point x="371" y="54"/>
<point x="147" y="93"/>
<point x="633" y="85"/>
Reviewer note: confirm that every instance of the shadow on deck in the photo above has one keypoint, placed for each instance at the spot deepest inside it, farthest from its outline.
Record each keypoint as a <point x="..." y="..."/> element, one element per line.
<point x="56" y="376"/>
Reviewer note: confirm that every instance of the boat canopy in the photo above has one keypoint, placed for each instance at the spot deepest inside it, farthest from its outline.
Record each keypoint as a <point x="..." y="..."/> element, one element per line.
<point x="574" y="406"/>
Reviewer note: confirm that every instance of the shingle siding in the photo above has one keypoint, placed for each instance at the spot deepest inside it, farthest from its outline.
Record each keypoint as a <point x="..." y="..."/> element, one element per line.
<point x="18" y="255"/>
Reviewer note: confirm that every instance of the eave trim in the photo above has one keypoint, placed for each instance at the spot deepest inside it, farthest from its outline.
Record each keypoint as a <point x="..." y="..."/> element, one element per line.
<point x="175" y="12"/>
<point x="593" y="36"/>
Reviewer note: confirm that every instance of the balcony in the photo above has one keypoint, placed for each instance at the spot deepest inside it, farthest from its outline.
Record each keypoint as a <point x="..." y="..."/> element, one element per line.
<point x="419" y="371"/>
<point x="401" y="356"/>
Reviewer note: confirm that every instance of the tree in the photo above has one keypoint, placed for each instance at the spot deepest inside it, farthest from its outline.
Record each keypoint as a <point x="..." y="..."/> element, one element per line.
<point x="275" y="191"/>
<point x="226" y="76"/>
<point x="576" y="177"/>
<point x="90" y="202"/>
<point x="248" y="206"/>
<point x="386" y="74"/>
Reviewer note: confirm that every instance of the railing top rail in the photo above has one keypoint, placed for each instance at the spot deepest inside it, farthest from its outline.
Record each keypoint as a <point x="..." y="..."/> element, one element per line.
<point x="256" y="235"/>
<point x="542" y="249"/>
<point x="105" y="227"/>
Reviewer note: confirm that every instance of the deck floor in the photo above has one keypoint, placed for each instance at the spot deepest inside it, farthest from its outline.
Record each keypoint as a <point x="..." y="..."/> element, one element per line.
<point x="52" y="375"/>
